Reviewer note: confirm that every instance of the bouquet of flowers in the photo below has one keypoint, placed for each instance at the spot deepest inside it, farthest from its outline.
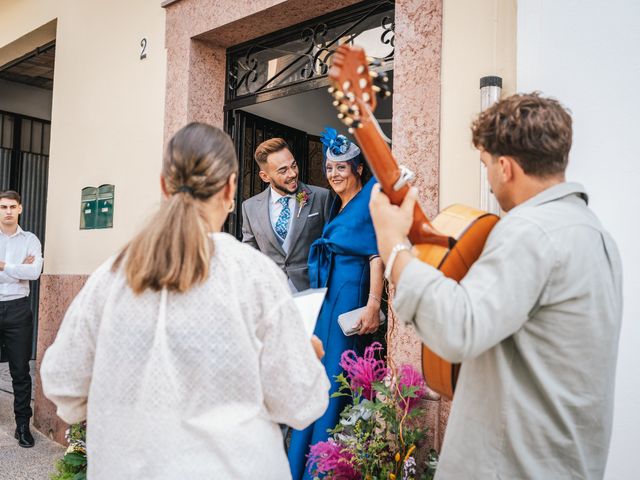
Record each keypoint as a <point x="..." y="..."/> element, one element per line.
<point x="73" y="466"/>
<point x="378" y="432"/>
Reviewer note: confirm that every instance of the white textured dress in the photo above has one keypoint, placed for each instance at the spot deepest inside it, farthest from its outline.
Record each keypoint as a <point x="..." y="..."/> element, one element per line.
<point x="193" y="385"/>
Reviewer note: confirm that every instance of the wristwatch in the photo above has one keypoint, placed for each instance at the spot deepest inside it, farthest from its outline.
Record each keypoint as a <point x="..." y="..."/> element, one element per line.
<point x="392" y="258"/>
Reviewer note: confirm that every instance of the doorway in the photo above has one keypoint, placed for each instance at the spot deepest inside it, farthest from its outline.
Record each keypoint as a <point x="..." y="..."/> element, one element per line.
<point x="276" y="87"/>
<point x="299" y="119"/>
<point x="26" y="88"/>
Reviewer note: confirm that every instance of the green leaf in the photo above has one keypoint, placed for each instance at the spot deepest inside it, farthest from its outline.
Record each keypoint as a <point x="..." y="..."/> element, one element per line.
<point x="382" y="388"/>
<point x="339" y="394"/>
<point x="80" y="476"/>
<point x="75" y="459"/>
<point x="410" y="392"/>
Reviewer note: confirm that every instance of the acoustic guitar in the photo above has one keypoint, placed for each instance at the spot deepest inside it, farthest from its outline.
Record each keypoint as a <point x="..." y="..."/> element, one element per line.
<point x="455" y="238"/>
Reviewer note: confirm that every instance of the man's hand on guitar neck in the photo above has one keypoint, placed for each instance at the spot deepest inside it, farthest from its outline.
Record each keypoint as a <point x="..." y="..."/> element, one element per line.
<point x="392" y="225"/>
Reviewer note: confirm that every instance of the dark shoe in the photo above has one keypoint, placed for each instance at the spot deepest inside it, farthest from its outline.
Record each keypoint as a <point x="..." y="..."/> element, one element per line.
<point x="25" y="439"/>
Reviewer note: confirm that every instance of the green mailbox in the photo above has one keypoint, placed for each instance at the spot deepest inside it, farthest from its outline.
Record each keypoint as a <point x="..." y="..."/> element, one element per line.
<point x="89" y="208"/>
<point x="105" y="206"/>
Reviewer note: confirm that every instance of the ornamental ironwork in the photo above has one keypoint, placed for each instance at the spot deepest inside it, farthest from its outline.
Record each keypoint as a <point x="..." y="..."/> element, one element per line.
<point x="303" y="52"/>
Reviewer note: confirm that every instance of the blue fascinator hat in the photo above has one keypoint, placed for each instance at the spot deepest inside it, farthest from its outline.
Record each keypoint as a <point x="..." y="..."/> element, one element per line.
<point x="338" y="147"/>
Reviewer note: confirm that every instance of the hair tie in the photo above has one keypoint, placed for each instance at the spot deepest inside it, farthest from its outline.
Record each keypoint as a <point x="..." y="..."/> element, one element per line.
<point x="186" y="189"/>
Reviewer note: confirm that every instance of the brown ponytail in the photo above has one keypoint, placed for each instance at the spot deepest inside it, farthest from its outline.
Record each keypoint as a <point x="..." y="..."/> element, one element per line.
<point x="174" y="250"/>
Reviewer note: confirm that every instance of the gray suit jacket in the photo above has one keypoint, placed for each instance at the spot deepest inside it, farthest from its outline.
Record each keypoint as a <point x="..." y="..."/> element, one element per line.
<point x="305" y="229"/>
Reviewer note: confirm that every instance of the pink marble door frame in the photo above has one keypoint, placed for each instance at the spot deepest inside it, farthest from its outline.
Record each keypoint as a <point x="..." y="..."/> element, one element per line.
<point x="56" y="294"/>
<point x="197" y="35"/>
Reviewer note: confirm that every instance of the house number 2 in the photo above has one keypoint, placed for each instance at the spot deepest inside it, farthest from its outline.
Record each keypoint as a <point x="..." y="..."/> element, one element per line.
<point x="143" y="52"/>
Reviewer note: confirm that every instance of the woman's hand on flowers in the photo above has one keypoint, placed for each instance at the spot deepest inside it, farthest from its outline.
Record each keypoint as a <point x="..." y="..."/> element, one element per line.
<point x="316" y="343"/>
<point x="369" y="320"/>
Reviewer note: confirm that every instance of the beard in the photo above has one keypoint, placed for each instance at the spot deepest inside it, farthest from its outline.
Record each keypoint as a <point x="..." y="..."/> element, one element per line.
<point x="285" y="189"/>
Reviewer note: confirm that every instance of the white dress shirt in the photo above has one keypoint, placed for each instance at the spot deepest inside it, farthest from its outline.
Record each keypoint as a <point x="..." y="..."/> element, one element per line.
<point x="14" y="249"/>
<point x="187" y="385"/>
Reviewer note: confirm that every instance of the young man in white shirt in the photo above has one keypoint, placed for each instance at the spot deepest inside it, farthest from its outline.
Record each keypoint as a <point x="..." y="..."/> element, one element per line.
<point x="20" y="261"/>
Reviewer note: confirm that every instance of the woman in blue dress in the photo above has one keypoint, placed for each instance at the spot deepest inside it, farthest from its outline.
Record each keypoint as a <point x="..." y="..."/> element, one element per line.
<point x="345" y="260"/>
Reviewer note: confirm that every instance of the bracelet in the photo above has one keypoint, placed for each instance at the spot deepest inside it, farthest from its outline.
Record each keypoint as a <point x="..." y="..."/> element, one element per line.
<point x="379" y="300"/>
<point x="392" y="258"/>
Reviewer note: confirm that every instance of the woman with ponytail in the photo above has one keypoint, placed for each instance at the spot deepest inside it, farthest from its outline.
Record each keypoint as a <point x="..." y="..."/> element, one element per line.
<point x="185" y="351"/>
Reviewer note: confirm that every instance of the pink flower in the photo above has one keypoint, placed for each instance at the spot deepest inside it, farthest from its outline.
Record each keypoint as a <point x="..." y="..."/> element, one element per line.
<point x="332" y="458"/>
<point x="364" y="371"/>
<point x="410" y="377"/>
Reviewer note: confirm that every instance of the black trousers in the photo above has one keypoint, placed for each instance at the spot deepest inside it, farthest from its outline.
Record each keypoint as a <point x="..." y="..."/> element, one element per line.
<point x="16" y="334"/>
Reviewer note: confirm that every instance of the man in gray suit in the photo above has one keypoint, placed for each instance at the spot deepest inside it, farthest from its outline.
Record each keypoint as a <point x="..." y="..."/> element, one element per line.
<point x="285" y="219"/>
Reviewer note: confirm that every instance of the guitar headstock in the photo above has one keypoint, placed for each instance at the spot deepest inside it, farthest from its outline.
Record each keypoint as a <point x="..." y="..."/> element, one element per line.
<point x="354" y="86"/>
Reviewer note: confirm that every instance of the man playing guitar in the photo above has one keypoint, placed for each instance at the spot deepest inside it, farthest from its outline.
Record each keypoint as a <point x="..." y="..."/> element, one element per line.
<point x="535" y="321"/>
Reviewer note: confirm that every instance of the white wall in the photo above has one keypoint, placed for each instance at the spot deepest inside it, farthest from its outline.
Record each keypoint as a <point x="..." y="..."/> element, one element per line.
<point x="585" y="53"/>
<point x="25" y="99"/>
<point x="478" y="39"/>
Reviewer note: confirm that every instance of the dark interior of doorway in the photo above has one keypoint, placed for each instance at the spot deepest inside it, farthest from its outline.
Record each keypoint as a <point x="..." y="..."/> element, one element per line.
<point x="24" y="167"/>
<point x="24" y="153"/>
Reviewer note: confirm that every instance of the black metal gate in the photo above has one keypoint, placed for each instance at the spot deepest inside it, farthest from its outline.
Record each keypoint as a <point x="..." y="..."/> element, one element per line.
<point x="24" y="167"/>
<point x="297" y="58"/>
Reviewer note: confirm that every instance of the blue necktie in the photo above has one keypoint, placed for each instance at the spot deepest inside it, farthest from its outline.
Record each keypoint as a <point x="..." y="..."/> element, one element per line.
<point x="282" y="224"/>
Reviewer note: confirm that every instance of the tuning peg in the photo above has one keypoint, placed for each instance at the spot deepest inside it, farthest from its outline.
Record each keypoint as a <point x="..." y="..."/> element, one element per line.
<point x="354" y="126"/>
<point x="331" y="89"/>
<point x="376" y="88"/>
<point x="348" y="121"/>
<point x="373" y="74"/>
<point x="343" y="108"/>
<point x="346" y="85"/>
<point x="338" y="95"/>
<point x="336" y="103"/>
<point x="386" y="90"/>
<point x="366" y="97"/>
<point x="341" y="116"/>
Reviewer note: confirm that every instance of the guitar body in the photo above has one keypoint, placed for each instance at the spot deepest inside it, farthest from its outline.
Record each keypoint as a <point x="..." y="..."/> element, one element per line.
<point x="455" y="238"/>
<point x="470" y="228"/>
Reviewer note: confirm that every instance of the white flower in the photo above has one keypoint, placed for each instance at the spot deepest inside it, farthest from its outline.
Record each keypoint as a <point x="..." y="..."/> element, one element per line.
<point x="358" y="412"/>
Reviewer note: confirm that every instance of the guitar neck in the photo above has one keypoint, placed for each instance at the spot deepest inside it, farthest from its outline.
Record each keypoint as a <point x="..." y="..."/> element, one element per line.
<point x="387" y="172"/>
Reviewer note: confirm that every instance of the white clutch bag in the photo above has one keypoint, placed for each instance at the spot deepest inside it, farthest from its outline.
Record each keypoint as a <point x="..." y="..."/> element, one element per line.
<point x="349" y="320"/>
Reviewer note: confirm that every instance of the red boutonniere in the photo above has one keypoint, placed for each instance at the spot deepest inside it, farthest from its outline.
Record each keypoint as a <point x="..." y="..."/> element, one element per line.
<point x="302" y="197"/>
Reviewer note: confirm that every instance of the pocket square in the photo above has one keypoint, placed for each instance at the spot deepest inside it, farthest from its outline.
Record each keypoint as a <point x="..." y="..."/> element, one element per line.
<point x="313" y="214"/>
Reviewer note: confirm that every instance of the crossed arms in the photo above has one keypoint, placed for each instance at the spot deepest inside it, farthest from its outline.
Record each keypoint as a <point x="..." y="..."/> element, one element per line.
<point x="29" y="269"/>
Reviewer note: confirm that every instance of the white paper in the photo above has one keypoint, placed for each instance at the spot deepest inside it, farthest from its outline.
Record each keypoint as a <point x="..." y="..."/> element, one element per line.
<point x="309" y="303"/>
